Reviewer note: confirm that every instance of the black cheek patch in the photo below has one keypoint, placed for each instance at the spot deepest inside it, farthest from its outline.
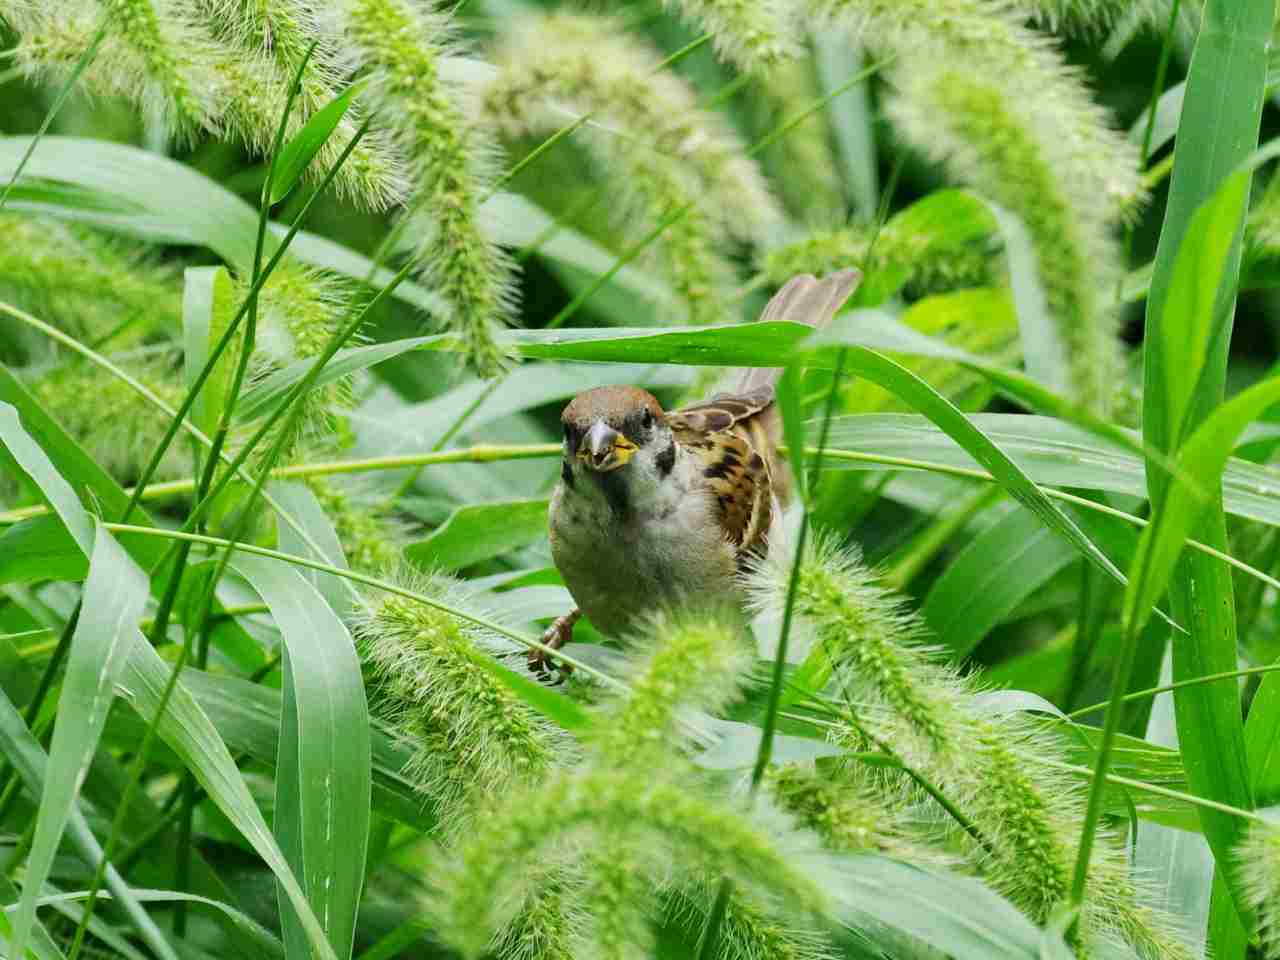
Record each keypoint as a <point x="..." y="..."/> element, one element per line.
<point x="566" y="474"/>
<point x="666" y="460"/>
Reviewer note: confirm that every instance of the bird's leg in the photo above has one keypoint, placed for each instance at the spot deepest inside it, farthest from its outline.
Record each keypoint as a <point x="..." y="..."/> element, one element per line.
<point x="556" y="636"/>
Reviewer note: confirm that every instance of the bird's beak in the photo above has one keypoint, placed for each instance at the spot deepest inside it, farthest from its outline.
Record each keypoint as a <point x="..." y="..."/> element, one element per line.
<point x="604" y="448"/>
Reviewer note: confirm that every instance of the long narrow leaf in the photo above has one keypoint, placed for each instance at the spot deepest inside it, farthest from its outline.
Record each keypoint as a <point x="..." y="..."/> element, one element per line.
<point x="324" y="779"/>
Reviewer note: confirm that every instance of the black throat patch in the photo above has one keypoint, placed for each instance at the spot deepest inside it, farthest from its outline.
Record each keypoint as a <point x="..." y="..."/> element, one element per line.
<point x="614" y="487"/>
<point x="666" y="460"/>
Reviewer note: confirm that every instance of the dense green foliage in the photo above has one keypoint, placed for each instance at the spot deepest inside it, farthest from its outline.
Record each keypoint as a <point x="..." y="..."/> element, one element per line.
<point x="291" y="294"/>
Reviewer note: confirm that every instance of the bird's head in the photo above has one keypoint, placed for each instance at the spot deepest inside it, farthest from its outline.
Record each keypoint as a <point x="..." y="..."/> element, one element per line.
<point x="612" y="429"/>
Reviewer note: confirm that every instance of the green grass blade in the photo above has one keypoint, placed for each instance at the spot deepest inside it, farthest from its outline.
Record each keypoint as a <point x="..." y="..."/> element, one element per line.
<point x="40" y="549"/>
<point x="42" y="945"/>
<point x="303" y="506"/>
<point x="480" y="531"/>
<point x="297" y="154"/>
<point x="990" y="577"/>
<point x="183" y="725"/>
<point x="82" y="64"/>
<point x="22" y="749"/>
<point x="114" y="596"/>
<point x="1043" y="352"/>
<point x="956" y="915"/>
<point x="208" y="301"/>
<point x="258" y="933"/>
<point x="1216" y="135"/>
<point x="323" y="787"/>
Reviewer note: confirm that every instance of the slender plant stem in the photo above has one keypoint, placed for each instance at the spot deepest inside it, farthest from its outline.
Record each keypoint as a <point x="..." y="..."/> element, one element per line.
<point x="1179" y="685"/>
<point x="7" y="793"/>
<point x="233" y="326"/>
<point x="378" y="583"/>
<point x="82" y="64"/>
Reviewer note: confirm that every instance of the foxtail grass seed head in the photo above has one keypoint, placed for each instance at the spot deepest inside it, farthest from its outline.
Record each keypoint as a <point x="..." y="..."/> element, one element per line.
<point x="913" y="704"/>
<point x="471" y="736"/>
<point x="895" y="256"/>
<point x="749" y="929"/>
<point x="803" y="163"/>
<point x="272" y="40"/>
<point x="873" y="642"/>
<point x="1259" y="859"/>
<point x="598" y="810"/>
<point x="171" y="70"/>
<point x="1091" y="16"/>
<point x="123" y="442"/>
<point x="401" y="45"/>
<point x="550" y="922"/>
<point x="670" y="155"/>
<point x="300" y="309"/>
<point x="371" y="541"/>
<point x="617" y="898"/>
<point x="995" y="101"/>
<point x="852" y="812"/>
<point x="101" y="289"/>
<point x="753" y="35"/>
<point x="685" y="662"/>
<point x="992" y="142"/>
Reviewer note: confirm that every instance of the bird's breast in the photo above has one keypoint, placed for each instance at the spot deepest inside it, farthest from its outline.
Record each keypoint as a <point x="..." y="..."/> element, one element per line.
<point x="622" y="565"/>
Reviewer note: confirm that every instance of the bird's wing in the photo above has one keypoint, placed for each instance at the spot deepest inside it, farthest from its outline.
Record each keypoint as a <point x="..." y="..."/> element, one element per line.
<point x="735" y="470"/>
<point x="803" y="299"/>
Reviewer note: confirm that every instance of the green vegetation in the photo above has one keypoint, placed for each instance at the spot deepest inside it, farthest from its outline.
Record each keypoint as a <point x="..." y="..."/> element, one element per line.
<point x="291" y="296"/>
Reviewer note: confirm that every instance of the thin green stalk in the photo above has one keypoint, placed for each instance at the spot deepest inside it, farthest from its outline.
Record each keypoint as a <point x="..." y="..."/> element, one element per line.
<point x="1097" y="788"/>
<point x="218" y="348"/>
<point x="8" y="791"/>
<point x="136" y="768"/>
<point x="82" y="64"/>
<point x="1189" y="798"/>
<point x="581" y="121"/>
<point x="454" y="428"/>
<point x="1179" y="685"/>
<point x="379" y="584"/>
<point x="709" y="939"/>
<point x="488" y="453"/>
<point x="627" y="255"/>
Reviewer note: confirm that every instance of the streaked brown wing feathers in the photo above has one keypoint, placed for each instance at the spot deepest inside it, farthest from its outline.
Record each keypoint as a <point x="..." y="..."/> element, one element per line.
<point x="736" y="472"/>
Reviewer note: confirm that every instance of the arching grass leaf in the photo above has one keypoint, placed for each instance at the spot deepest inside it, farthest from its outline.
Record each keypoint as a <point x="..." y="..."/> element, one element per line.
<point x="990" y="577"/>
<point x="323" y="779"/>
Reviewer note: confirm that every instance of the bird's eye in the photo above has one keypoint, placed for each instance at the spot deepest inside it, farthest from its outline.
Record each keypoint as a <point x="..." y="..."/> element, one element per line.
<point x="646" y="419"/>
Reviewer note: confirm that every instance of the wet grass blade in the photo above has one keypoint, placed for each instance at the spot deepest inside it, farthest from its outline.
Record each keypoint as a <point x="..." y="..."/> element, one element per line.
<point x="323" y="779"/>
<point x="1217" y="131"/>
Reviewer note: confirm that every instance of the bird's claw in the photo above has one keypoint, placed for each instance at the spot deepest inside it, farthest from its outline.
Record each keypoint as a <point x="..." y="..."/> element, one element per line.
<point x="555" y="636"/>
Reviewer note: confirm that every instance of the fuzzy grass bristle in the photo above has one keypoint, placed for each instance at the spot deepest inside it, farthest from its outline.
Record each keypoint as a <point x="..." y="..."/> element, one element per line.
<point x="1259" y="866"/>
<point x="471" y="737"/>
<point x="681" y="662"/>
<point x="402" y="46"/>
<point x="906" y="700"/>
<point x="597" y="810"/>
<point x="672" y="155"/>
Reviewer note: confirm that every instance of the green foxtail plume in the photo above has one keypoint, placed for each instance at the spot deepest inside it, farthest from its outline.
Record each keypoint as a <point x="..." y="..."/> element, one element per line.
<point x="471" y="737"/>
<point x="902" y="698"/>
<point x="401" y="45"/>
<point x="753" y="35"/>
<point x="669" y="154"/>
<point x="995" y="101"/>
<point x="1259" y="859"/>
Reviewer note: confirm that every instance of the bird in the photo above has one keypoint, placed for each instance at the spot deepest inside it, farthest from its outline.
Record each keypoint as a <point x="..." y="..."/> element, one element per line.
<point x="657" y="509"/>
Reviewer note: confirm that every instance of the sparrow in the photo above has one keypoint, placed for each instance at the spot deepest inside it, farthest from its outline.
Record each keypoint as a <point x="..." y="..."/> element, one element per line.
<point x="656" y="509"/>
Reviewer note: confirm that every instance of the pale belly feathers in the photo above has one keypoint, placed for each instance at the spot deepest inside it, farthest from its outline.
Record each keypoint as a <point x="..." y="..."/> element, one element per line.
<point x="620" y="567"/>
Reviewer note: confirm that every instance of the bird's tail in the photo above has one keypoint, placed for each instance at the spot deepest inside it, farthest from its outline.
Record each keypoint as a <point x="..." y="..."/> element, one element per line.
<point x="803" y="299"/>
